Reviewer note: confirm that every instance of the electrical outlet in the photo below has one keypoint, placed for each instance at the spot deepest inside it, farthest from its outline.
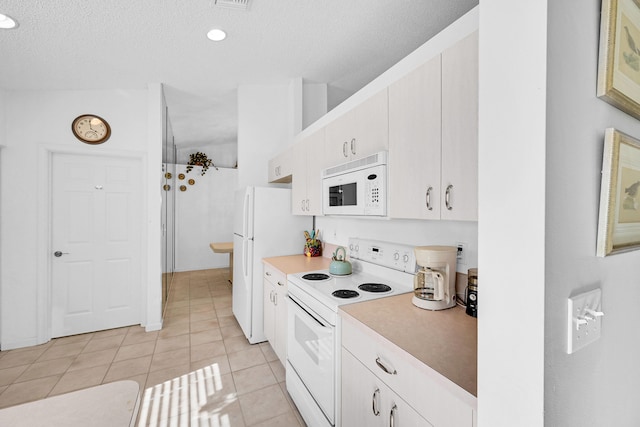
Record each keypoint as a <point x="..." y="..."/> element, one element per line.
<point x="584" y="319"/>
<point x="461" y="258"/>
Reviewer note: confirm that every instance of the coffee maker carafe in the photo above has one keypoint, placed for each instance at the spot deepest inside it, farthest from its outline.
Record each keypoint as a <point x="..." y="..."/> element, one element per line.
<point x="434" y="285"/>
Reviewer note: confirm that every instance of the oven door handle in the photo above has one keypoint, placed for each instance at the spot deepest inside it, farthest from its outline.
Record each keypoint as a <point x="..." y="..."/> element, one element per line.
<point x="302" y="307"/>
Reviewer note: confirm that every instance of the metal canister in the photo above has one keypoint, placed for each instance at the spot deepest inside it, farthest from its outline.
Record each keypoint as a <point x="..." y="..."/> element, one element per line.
<point x="472" y="292"/>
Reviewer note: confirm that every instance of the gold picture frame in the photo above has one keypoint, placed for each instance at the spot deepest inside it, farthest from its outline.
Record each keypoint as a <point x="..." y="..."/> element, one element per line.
<point x="619" y="57"/>
<point x="619" y="218"/>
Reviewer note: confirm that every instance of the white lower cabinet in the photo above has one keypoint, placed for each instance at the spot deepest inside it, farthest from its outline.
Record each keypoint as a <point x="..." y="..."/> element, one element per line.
<point x="367" y="401"/>
<point x="377" y="376"/>
<point x="275" y="310"/>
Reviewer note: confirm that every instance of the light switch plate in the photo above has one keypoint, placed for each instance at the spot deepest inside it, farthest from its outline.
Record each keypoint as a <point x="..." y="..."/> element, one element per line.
<point x="584" y="319"/>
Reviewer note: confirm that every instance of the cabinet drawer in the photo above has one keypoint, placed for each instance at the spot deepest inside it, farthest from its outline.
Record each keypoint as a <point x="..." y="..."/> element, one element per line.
<point x="274" y="275"/>
<point x="424" y="389"/>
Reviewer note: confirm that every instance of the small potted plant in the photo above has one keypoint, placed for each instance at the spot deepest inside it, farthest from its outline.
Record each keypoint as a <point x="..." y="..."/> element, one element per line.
<point x="200" y="159"/>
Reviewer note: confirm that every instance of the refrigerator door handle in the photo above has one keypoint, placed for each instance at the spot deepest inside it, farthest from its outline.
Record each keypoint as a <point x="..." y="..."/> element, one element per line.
<point x="245" y="249"/>
<point x="245" y="216"/>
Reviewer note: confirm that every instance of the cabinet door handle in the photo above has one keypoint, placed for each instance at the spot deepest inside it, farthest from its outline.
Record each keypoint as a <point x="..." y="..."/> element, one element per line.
<point x="280" y="283"/>
<point x="428" y="201"/>
<point x="374" y="402"/>
<point x="268" y="273"/>
<point x="275" y="299"/>
<point x="344" y="149"/>
<point x="382" y="366"/>
<point x="302" y="205"/>
<point x="307" y="205"/>
<point x="392" y="415"/>
<point x="447" y="197"/>
<point x="353" y="146"/>
<point x="271" y="296"/>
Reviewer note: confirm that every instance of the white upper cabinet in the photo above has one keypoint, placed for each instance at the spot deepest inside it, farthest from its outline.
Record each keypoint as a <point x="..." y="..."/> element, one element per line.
<point x="362" y="131"/>
<point x="281" y="167"/>
<point x="460" y="130"/>
<point x="433" y="137"/>
<point x="414" y="143"/>
<point x="306" y="187"/>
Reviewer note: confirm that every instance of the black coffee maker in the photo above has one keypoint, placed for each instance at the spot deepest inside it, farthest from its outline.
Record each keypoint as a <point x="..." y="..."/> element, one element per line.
<point x="472" y="292"/>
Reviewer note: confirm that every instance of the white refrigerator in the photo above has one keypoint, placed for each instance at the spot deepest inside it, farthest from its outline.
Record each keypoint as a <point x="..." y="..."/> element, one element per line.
<point x="263" y="227"/>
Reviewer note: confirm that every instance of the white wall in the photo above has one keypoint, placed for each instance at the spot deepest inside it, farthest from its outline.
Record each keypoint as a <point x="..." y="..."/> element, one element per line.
<point x="2" y="142"/>
<point x="156" y="125"/>
<point x="598" y="385"/>
<point x="36" y="121"/>
<point x="511" y="225"/>
<point x="204" y="214"/>
<point x="263" y="130"/>
<point x="337" y="230"/>
<point x="269" y="117"/>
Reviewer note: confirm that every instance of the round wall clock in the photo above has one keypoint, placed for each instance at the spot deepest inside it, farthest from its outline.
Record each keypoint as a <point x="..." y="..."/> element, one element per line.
<point x="91" y="129"/>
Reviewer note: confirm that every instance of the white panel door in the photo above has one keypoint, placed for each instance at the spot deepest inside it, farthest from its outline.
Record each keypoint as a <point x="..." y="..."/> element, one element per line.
<point x="96" y="243"/>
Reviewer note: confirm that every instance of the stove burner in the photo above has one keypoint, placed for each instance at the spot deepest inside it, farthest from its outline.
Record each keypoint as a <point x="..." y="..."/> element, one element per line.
<point x="345" y="293"/>
<point x="374" y="287"/>
<point x="315" y="276"/>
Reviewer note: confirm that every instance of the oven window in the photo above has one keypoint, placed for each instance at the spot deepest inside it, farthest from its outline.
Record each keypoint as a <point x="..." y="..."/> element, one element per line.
<point x="343" y="195"/>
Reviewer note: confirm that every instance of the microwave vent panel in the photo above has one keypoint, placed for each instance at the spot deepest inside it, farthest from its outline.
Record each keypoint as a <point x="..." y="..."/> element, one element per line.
<point x="374" y="159"/>
<point x="233" y="4"/>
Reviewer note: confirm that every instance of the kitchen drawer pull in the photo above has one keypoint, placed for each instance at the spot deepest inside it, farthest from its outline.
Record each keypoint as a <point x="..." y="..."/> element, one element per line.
<point x="280" y="283"/>
<point x="447" y="197"/>
<point x="392" y="415"/>
<point x="381" y="365"/>
<point x="374" y="404"/>
<point x="268" y="273"/>
<point x="428" y="202"/>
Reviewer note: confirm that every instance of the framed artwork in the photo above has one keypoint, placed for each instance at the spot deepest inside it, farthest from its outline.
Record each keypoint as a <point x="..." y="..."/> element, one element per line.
<point x="619" y="219"/>
<point x="619" y="57"/>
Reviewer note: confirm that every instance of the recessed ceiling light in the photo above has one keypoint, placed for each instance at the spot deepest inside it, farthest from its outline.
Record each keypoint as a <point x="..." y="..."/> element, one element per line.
<point x="7" y="22"/>
<point x="216" y="35"/>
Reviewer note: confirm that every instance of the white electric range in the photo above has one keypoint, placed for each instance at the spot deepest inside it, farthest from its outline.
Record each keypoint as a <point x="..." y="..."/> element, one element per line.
<point x="380" y="269"/>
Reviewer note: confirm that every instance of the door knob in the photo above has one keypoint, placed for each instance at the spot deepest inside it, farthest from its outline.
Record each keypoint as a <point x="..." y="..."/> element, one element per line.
<point x="59" y="254"/>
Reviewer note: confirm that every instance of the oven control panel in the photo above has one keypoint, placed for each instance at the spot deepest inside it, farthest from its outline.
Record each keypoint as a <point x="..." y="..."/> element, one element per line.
<point x="392" y="255"/>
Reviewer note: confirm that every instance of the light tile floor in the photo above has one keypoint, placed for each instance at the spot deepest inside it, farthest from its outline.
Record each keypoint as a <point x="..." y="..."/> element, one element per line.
<point x="199" y="370"/>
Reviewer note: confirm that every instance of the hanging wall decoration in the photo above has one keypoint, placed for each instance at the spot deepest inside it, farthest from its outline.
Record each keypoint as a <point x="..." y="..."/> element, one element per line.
<point x="619" y="57"/>
<point x="619" y="219"/>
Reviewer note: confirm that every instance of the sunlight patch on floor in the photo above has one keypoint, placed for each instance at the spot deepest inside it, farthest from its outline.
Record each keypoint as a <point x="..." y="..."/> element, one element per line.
<point x="187" y="401"/>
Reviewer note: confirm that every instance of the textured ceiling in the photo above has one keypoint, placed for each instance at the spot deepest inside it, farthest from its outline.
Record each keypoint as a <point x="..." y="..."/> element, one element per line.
<point x="111" y="44"/>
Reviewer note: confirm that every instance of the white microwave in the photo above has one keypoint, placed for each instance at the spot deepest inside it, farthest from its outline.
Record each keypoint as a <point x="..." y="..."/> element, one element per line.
<point x="356" y="188"/>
